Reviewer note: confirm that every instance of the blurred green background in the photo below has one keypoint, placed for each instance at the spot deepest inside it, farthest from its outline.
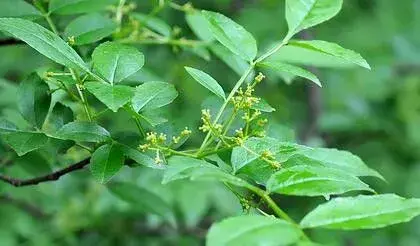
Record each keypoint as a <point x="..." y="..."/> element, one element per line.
<point x="374" y="114"/>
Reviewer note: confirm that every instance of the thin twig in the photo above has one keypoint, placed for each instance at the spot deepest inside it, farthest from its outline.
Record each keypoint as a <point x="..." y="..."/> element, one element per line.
<point x="46" y="178"/>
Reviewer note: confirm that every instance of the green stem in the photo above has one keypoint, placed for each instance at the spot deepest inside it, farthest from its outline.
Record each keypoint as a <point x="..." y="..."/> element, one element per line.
<point x="73" y="73"/>
<point x="96" y="116"/>
<point x="222" y="109"/>
<point x="81" y="95"/>
<point x="85" y="147"/>
<point x="177" y="6"/>
<point x="176" y="152"/>
<point x="136" y="119"/>
<point x="53" y="27"/>
<point x="119" y="13"/>
<point x="227" y="127"/>
<point x="84" y="102"/>
<point x="139" y="127"/>
<point x="247" y="123"/>
<point x="96" y="77"/>
<point x="276" y="209"/>
<point x="271" y="52"/>
<point x="211" y="152"/>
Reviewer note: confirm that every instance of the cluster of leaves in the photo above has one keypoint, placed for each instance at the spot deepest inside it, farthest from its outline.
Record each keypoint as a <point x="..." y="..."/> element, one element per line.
<point x="54" y="102"/>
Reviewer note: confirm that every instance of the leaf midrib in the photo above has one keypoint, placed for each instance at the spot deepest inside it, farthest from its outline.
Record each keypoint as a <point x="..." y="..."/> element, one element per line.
<point x="46" y="42"/>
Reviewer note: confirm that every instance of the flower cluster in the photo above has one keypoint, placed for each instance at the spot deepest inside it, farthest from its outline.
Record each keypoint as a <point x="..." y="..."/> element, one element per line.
<point x="244" y="99"/>
<point x="208" y="125"/>
<point x="268" y="157"/>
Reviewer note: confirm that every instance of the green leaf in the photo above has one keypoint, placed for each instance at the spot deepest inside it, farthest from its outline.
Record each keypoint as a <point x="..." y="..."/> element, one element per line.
<point x="199" y="25"/>
<point x="207" y="81"/>
<point x="153" y="95"/>
<point x="116" y="61"/>
<point x="180" y="167"/>
<point x="18" y="8"/>
<point x="59" y="116"/>
<point x="200" y="51"/>
<point x="263" y="106"/>
<point x="34" y="164"/>
<point x="255" y="230"/>
<point x="140" y="158"/>
<point x="106" y="161"/>
<point x="302" y="14"/>
<point x="291" y="69"/>
<point x="333" y="158"/>
<point x="216" y="174"/>
<point x="192" y="212"/>
<point x="83" y="132"/>
<point x="362" y="212"/>
<point x="333" y="50"/>
<point x="142" y="199"/>
<point x="44" y="41"/>
<point x="25" y="142"/>
<point x="154" y="23"/>
<point x="69" y="7"/>
<point x="89" y="28"/>
<point x="153" y="118"/>
<point x="234" y="62"/>
<point x="113" y="96"/>
<point x="6" y="126"/>
<point x="314" y="181"/>
<point x="232" y="35"/>
<point x="248" y="158"/>
<point x="34" y="100"/>
<point x="308" y="57"/>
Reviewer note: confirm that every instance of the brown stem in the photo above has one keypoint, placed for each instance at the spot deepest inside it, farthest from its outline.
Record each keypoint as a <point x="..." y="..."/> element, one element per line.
<point x="46" y="178"/>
